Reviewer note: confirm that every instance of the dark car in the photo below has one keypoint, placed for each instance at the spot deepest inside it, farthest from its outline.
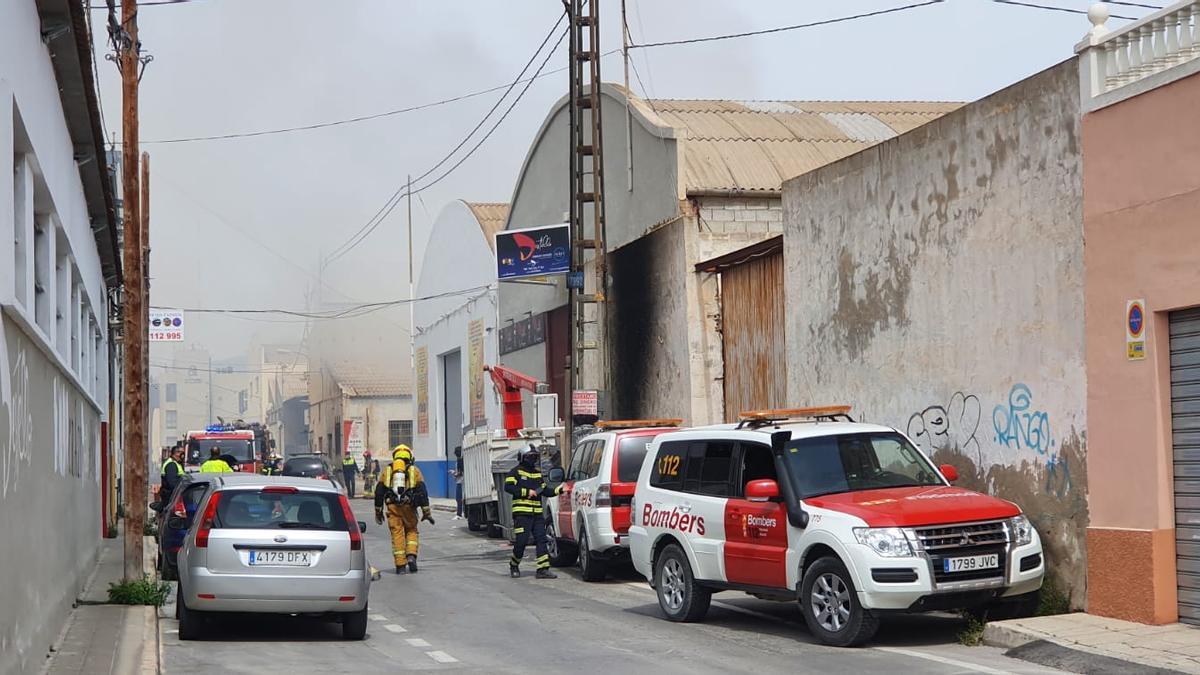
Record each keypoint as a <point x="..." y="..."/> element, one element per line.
<point x="310" y="466"/>
<point x="175" y="517"/>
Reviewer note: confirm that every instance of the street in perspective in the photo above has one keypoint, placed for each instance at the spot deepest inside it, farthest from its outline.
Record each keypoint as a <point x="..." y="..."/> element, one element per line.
<point x="586" y="336"/>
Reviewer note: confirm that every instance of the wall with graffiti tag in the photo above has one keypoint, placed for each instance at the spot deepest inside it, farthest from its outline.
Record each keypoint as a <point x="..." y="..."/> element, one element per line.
<point x="935" y="283"/>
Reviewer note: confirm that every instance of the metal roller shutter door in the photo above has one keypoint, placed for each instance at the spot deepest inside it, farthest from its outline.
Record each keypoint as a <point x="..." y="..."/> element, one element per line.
<point x="1185" y="433"/>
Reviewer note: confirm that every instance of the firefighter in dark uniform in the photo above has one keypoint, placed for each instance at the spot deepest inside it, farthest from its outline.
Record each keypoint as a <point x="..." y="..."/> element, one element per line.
<point x="527" y="487"/>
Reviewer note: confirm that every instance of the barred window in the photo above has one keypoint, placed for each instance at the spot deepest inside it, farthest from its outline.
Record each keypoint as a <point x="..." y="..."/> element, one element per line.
<point x="400" y="431"/>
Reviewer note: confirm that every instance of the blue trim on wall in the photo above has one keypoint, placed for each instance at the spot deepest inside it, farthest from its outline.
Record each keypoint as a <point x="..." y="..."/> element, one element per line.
<point x="437" y="477"/>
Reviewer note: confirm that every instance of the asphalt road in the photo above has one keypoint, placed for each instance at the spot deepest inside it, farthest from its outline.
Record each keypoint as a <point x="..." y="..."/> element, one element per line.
<point x="462" y="613"/>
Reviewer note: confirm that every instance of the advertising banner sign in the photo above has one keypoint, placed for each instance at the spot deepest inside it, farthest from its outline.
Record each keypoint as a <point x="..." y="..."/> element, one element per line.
<point x="166" y="325"/>
<point x="422" y="358"/>
<point x="475" y="363"/>
<point x="352" y="435"/>
<point x="533" y="252"/>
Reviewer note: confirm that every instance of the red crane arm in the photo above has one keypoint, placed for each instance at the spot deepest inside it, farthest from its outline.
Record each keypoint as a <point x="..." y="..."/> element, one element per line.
<point x="509" y="384"/>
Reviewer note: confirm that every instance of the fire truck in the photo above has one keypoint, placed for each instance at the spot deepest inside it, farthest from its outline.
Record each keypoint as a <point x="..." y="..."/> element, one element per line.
<point x="244" y="446"/>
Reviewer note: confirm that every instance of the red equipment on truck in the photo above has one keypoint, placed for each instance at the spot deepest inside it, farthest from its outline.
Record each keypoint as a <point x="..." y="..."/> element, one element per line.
<point x="509" y="384"/>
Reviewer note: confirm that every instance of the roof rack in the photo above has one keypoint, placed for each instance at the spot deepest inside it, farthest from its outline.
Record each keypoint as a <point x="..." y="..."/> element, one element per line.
<point x="638" y="424"/>
<point x="828" y="413"/>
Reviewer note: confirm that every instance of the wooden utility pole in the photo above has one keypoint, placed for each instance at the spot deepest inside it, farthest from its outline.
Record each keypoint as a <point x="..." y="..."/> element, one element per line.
<point x="135" y="318"/>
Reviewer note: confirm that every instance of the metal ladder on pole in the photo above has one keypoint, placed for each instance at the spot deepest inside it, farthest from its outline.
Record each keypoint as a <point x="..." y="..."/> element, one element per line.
<point x="587" y="300"/>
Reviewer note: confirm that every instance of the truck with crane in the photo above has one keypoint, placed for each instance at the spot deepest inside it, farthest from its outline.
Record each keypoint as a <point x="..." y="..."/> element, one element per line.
<point x="488" y="456"/>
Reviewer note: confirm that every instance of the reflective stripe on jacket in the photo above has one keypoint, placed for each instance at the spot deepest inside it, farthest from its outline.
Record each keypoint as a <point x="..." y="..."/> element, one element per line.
<point x="527" y="489"/>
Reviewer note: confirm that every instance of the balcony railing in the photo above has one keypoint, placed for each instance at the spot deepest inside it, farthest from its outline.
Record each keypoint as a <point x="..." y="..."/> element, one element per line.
<point x="1157" y="43"/>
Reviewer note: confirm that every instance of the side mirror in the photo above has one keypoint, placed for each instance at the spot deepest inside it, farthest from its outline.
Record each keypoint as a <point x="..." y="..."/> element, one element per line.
<point x="155" y="506"/>
<point x="362" y="526"/>
<point x="556" y="475"/>
<point x="762" y="490"/>
<point x="949" y="472"/>
<point x="177" y="523"/>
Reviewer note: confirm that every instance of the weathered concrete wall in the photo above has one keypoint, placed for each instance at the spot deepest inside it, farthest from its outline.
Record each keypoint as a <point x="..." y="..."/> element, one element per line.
<point x="650" y="347"/>
<point x="632" y="207"/>
<point x="935" y="282"/>
<point x="49" y="497"/>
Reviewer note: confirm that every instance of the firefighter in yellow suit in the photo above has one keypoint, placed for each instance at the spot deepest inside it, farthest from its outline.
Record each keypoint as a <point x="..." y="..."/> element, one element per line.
<point x="401" y="488"/>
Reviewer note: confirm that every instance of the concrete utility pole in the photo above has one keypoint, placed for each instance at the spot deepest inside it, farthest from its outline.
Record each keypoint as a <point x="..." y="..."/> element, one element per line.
<point x="136" y="324"/>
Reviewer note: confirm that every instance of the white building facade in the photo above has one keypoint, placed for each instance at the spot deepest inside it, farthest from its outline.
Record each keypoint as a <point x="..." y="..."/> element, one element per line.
<point x="456" y="336"/>
<point x="58" y="263"/>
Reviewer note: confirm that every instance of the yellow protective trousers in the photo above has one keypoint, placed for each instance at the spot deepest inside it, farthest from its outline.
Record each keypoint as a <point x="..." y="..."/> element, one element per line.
<point x="402" y="521"/>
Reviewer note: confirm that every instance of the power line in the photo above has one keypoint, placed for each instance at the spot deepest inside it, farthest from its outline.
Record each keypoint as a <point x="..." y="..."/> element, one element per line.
<point x="1057" y="9"/>
<point x="147" y="3"/>
<point x="358" y="119"/>
<point x="1132" y="4"/>
<point x="396" y="196"/>
<point x="230" y="371"/>
<point x="824" y="22"/>
<point x="341" y="313"/>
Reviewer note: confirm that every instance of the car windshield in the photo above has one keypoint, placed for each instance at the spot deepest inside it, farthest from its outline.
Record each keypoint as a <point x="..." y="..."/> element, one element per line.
<point x="824" y="465"/>
<point x="240" y="449"/>
<point x="630" y="453"/>
<point x="306" y="466"/>
<point x="254" y="510"/>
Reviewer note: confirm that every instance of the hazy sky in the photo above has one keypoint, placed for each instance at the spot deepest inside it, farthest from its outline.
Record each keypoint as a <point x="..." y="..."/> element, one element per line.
<point x="242" y="223"/>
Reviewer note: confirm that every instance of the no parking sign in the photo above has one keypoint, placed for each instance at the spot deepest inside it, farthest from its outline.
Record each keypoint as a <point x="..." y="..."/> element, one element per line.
<point x="1135" y="330"/>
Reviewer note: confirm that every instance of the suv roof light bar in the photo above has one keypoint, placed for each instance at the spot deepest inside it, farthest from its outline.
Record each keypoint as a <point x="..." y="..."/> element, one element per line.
<point x="639" y="424"/>
<point x="828" y="413"/>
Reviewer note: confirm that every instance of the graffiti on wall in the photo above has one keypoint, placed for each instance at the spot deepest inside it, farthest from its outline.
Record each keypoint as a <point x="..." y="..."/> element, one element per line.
<point x="948" y="427"/>
<point x="1018" y="426"/>
<point x="16" y="417"/>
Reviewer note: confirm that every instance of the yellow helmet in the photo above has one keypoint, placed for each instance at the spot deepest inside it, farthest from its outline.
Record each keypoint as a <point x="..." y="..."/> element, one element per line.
<point x="402" y="451"/>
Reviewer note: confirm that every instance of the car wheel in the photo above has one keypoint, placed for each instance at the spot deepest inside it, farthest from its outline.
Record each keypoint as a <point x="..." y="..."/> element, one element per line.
<point x="473" y="523"/>
<point x="190" y="621"/>
<point x="831" y="608"/>
<point x="679" y="596"/>
<point x="591" y="567"/>
<point x="562" y="552"/>
<point x="354" y="624"/>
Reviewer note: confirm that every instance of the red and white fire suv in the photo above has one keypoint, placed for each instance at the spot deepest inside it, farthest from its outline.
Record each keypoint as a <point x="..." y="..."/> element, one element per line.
<point x="590" y="519"/>
<point x="853" y="520"/>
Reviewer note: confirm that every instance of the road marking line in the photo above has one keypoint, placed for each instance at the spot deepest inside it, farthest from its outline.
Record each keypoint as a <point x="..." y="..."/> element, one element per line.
<point x="378" y="617"/>
<point x="973" y="667"/>
<point x="395" y="628"/>
<point x="417" y="642"/>
<point x="441" y="657"/>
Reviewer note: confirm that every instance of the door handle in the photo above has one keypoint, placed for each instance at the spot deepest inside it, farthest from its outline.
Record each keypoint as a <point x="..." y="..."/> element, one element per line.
<point x="684" y="508"/>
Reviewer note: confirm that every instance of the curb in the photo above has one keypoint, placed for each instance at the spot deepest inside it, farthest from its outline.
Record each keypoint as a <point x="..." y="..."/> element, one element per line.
<point x="1037" y="648"/>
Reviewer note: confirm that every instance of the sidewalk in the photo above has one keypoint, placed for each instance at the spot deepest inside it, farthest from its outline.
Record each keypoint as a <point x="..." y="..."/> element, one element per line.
<point x="1084" y="643"/>
<point x="102" y="638"/>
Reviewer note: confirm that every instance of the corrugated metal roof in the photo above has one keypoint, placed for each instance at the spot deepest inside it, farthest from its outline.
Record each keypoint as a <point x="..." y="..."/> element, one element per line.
<point x="491" y="216"/>
<point x="756" y="145"/>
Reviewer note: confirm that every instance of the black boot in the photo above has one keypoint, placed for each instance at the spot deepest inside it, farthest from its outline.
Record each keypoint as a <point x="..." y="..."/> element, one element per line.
<point x="412" y="563"/>
<point x="545" y="574"/>
<point x="399" y="569"/>
<point x="514" y="571"/>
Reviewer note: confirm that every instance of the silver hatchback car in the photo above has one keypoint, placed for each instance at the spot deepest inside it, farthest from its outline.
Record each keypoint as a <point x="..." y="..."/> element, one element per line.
<point x="276" y="545"/>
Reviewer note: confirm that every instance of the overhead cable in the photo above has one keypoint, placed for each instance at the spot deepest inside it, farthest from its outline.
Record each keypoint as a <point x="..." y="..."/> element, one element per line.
<point x="1057" y="9"/>
<point x="402" y="192"/>
<point x="781" y="29"/>
<point x="338" y="313"/>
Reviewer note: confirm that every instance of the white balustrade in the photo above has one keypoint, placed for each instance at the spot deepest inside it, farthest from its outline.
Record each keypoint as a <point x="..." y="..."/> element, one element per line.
<point x="1160" y="41"/>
